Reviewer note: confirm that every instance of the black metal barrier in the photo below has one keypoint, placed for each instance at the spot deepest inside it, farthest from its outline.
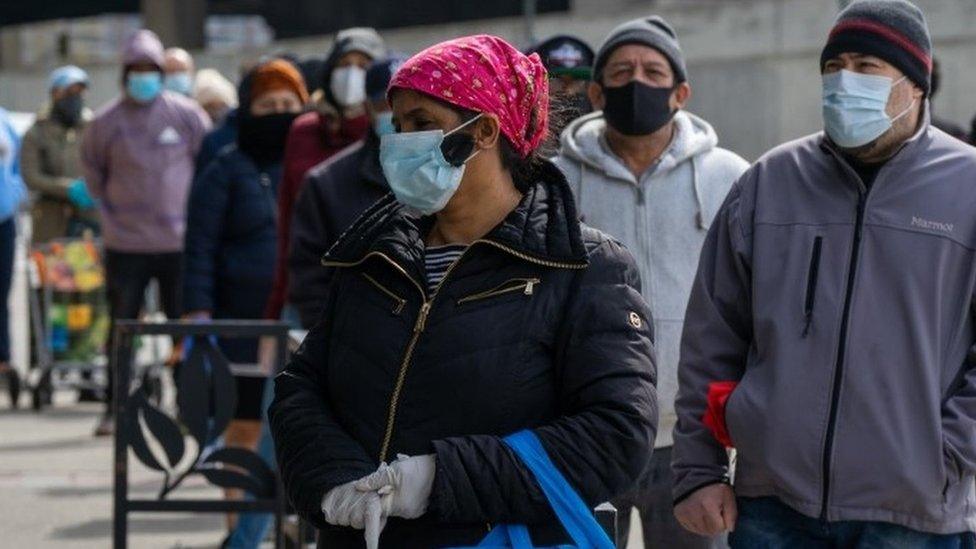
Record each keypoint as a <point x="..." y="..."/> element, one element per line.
<point x="180" y="447"/>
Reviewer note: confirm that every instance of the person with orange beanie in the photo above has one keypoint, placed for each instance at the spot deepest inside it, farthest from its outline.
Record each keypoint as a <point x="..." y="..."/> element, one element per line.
<point x="231" y="232"/>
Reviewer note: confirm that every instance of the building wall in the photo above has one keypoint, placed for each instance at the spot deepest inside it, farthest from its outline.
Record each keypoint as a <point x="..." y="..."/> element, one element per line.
<point x="752" y="63"/>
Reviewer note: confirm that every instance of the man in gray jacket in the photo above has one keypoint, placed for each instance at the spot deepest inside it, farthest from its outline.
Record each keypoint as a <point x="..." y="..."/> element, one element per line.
<point x="836" y="289"/>
<point x="650" y="174"/>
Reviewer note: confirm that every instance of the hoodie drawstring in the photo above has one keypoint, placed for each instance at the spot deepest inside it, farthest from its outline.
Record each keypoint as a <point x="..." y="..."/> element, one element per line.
<point x="700" y="216"/>
<point x="579" y="194"/>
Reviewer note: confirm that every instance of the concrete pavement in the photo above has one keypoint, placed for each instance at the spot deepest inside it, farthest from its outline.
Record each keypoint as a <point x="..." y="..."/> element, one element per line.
<point x="56" y="486"/>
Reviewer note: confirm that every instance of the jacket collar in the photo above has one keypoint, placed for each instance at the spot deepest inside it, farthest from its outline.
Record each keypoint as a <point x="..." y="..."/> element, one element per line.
<point x="337" y="132"/>
<point x="544" y="228"/>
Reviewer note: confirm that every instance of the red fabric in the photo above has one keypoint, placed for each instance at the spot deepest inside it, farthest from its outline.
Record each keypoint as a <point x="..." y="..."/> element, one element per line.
<point x="714" y="418"/>
<point x="887" y="33"/>
<point x="313" y="138"/>
<point x="486" y="74"/>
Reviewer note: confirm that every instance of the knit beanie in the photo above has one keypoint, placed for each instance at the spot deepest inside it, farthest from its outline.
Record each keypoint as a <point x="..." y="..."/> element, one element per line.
<point x="893" y="30"/>
<point x="651" y="31"/>
<point x="278" y="75"/>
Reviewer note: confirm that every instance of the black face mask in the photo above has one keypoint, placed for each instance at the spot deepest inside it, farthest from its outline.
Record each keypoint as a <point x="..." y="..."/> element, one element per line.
<point x="263" y="137"/>
<point x="636" y="108"/>
<point x="67" y="110"/>
<point x="457" y="148"/>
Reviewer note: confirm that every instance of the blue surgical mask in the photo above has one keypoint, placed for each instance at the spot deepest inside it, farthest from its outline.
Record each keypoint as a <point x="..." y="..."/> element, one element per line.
<point x="179" y="82"/>
<point x="415" y="167"/>
<point x="854" y="107"/>
<point x="144" y="86"/>
<point x="383" y="123"/>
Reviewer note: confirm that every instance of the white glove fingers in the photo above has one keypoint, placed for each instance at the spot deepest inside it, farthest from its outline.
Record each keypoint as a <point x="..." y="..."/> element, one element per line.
<point x="383" y="477"/>
<point x="374" y="521"/>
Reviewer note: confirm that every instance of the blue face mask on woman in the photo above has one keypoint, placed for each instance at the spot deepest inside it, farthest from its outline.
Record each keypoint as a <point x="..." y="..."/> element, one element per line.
<point x="144" y="86"/>
<point x="419" y="174"/>
<point x="854" y="107"/>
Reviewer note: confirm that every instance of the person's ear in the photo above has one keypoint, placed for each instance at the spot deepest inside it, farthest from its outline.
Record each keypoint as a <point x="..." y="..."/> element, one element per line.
<point x="486" y="131"/>
<point x="595" y="93"/>
<point x="681" y="96"/>
<point x="917" y="92"/>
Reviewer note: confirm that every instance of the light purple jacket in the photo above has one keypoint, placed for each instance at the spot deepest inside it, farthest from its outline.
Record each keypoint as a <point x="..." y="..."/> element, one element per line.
<point x="138" y="161"/>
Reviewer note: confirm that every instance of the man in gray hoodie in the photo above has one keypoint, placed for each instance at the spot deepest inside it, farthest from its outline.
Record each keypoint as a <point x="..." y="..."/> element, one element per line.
<point x="138" y="157"/>
<point x="650" y="174"/>
<point x="830" y="336"/>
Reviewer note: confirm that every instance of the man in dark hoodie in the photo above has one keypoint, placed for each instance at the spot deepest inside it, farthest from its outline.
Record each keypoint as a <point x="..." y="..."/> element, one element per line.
<point x="335" y="193"/>
<point x="315" y="136"/>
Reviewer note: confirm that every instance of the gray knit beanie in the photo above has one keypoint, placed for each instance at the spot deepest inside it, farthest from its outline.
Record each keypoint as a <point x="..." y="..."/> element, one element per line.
<point x="651" y="31"/>
<point x="893" y="30"/>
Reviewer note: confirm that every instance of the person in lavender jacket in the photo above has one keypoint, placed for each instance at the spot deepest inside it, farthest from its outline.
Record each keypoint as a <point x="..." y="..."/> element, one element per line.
<point x="138" y="156"/>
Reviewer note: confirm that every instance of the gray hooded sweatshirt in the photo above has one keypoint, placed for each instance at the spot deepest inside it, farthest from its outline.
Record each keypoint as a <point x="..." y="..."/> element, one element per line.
<point x="846" y="316"/>
<point x="661" y="217"/>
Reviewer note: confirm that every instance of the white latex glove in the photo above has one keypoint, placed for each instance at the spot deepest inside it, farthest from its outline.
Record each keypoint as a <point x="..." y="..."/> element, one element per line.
<point x="346" y="506"/>
<point x="404" y="485"/>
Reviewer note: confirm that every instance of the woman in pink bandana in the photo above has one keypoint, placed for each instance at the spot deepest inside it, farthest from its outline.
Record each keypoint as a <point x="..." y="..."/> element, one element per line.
<point x="469" y="304"/>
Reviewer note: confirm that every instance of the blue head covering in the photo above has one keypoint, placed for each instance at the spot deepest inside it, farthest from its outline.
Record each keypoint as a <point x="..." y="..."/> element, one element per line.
<point x="64" y="77"/>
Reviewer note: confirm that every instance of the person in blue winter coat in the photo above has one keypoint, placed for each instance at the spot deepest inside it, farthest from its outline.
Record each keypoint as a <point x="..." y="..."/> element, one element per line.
<point x="231" y="230"/>
<point x="12" y="193"/>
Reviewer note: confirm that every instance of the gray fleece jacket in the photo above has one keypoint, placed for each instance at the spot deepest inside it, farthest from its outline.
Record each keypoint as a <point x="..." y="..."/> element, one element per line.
<point x="846" y="316"/>
<point x="661" y="217"/>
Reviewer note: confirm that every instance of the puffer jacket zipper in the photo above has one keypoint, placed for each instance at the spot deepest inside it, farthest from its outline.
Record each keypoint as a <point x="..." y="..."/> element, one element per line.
<point x="811" y="295"/>
<point x="421" y="322"/>
<point x="524" y="285"/>
<point x="862" y="197"/>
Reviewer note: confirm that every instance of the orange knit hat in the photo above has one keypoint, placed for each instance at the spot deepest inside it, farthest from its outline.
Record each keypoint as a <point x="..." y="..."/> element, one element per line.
<point x="278" y="75"/>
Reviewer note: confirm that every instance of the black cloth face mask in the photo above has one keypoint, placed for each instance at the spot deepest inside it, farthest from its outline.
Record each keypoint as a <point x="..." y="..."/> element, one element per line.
<point x="67" y="110"/>
<point x="636" y="108"/>
<point x="263" y="137"/>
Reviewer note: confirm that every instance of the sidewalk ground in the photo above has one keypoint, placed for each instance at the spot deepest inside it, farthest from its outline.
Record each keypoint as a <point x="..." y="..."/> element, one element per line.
<point x="56" y="486"/>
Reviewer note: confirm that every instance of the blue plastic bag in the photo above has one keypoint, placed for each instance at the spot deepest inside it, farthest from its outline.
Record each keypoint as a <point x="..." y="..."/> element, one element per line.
<point x="575" y="516"/>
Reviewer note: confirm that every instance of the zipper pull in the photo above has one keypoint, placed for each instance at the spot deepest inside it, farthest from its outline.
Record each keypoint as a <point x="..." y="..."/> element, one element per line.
<point x="422" y="317"/>
<point x="529" y="286"/>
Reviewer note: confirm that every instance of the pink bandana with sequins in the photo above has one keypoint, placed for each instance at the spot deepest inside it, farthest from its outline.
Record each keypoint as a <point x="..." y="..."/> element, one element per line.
<point x="486" y="74"/>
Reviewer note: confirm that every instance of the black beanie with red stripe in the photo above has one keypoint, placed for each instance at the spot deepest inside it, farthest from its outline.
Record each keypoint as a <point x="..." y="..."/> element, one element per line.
<point x="893" y="30"/>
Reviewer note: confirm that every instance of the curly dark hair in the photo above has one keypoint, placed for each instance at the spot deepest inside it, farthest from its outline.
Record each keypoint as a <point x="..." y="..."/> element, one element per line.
<point x="525" y="169"/>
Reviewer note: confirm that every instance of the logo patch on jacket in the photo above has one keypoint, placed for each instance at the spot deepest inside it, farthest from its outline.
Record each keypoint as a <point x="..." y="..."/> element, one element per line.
<point x="169" y="136"/>
<point x="635" y="320"/>
<point x="931" y="225"/>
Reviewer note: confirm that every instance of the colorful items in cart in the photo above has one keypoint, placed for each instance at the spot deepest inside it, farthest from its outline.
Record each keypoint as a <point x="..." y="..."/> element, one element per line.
<point x="72" y="267"/>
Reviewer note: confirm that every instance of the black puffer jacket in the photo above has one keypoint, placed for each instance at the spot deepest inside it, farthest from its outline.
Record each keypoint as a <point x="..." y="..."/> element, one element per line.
<point x="540" y="325"/>
<point x="335" y="194"/>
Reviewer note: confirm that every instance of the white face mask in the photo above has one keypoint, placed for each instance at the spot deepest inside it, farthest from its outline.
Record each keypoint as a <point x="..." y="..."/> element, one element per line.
<point x="348" y="85"/>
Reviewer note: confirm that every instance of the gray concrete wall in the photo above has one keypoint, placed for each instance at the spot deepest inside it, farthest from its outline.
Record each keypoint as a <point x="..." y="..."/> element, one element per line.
<point x="752" y="63"/>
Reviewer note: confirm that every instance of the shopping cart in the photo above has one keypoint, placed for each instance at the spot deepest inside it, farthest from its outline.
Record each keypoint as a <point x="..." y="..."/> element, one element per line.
<point x="69" y="319"/>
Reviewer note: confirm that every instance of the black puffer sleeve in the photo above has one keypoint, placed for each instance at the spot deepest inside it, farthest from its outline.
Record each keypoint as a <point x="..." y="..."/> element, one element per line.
<point x="315" y="453"/>
<point x="603" y="441"/>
